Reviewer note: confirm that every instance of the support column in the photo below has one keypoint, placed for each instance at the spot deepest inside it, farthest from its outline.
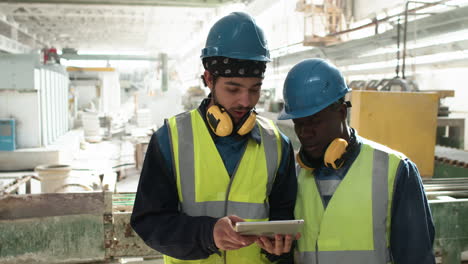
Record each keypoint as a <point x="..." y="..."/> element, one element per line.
<point x="164" y="72"/>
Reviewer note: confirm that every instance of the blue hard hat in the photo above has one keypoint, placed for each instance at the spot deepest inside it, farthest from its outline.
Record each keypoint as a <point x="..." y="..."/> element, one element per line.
<point x="311" y="86"/>
<point x="237" y="36"/>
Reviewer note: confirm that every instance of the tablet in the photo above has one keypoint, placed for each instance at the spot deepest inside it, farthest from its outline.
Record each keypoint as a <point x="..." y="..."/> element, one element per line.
<point x="269" y="228"/>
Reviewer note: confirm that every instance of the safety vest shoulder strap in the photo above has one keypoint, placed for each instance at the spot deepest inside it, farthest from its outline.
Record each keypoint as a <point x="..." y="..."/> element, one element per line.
<point x="383" y="148"/>
<point x="272" y="144"/>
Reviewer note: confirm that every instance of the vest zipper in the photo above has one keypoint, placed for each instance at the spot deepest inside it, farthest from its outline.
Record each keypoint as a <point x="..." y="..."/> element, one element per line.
<point x="231" y="179"/>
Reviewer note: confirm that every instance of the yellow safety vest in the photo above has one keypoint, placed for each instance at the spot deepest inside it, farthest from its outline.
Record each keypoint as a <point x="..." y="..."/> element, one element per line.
<point x="205" y="188"/>
<point x="355" y="226"/>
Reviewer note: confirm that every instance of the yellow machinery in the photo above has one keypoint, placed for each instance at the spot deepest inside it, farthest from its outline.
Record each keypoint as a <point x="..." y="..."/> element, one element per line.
<point x="404" y="121"/>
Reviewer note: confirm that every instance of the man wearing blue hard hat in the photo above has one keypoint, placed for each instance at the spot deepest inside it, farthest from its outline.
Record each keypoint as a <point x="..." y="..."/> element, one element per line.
<point x="219" y="164"/>
<point x="362" y="202"/>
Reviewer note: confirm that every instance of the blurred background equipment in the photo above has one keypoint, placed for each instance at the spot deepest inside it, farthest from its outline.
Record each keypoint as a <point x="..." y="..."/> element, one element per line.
<point x="193" y="97"/>
<point x="7" y="135"/>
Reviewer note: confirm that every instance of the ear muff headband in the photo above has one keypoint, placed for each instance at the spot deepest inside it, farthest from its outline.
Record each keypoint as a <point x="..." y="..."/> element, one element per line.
<point x="221" y="123"/>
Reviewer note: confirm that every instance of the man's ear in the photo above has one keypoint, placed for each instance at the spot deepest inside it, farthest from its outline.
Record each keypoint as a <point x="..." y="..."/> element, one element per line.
<point x="343" y="111"/>
<point x="208" y="79"/>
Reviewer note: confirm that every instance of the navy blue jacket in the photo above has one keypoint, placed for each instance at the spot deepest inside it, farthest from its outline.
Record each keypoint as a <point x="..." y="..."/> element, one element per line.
<point x="156" y="216"/>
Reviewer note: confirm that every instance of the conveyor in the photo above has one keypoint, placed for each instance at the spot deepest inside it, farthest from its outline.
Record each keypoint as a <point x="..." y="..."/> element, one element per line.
<point x="451" y="156"/>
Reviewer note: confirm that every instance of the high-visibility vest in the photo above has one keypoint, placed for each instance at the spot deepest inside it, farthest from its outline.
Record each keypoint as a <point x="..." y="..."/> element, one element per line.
<point x="205" y="188"/>
<point x="355" y="226"/>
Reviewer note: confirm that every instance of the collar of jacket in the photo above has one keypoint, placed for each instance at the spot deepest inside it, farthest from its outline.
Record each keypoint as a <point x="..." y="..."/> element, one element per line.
<point x="254" y="134"/>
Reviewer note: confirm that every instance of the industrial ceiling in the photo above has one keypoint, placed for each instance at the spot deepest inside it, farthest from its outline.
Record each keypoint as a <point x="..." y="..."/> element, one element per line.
<point x="149" y="26"/>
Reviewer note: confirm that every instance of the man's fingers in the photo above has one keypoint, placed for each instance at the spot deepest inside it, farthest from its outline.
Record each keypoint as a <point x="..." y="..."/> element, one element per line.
<point x="259" y="242"/>
<point x="279" y="244"/>
<point x="235" y="237"/>
<point x="268" y="245"/>
<point x="249" y="239"/>
<point x="287" y="243"/>
<point x="298" y="235"/>
<point x="224" y="233"/>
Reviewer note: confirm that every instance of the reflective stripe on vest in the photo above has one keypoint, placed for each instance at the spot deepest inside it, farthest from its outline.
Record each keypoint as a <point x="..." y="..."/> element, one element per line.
<point x="355" y="227"/>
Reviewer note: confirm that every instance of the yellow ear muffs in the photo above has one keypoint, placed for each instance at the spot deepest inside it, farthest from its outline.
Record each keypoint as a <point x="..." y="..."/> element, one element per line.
<point x="219" y="121"/>
<point x="248" y="124"/>
<point x="334" y="154"/>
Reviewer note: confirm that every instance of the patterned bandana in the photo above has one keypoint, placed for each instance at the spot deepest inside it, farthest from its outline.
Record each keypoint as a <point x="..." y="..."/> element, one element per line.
<point x="229" y="67"/>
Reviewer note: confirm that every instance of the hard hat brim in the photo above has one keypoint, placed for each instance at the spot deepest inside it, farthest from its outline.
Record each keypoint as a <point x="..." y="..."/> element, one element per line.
<point x="308" y="112"/>
<point x="299" y="114"/>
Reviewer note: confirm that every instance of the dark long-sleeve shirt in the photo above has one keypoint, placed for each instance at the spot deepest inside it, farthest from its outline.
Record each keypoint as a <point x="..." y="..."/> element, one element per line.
<point x="156" y="216"/>
<point x="412" y="230"/>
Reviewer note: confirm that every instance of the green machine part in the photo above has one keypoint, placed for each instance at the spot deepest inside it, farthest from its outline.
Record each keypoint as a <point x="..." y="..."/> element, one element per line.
<point x="451" y="227"/>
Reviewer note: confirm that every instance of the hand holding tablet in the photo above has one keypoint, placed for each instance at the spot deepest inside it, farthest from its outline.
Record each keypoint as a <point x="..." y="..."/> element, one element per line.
<point x="269" y="228"/>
